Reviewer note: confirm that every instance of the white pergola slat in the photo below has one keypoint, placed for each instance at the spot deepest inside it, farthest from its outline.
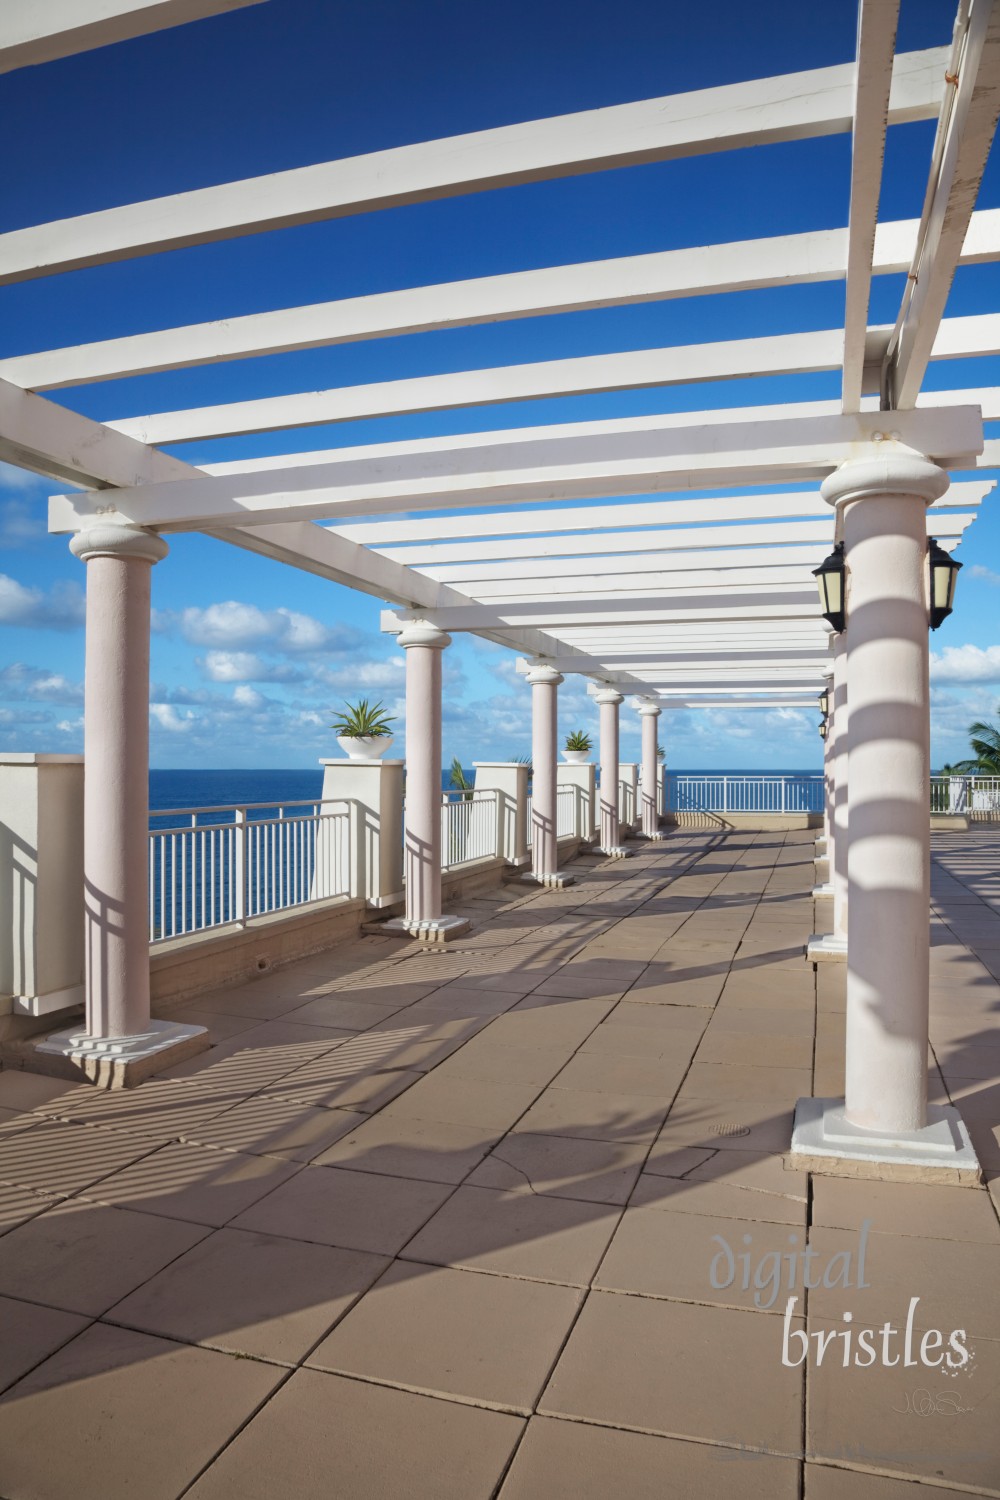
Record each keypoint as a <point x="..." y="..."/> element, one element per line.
<point x="793" y="107"/>
<point x="39" y="31"/>
<point x="877" y="21"/>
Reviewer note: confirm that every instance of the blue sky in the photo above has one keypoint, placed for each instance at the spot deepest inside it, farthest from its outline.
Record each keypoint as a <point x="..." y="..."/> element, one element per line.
<point x="250" y="659"/>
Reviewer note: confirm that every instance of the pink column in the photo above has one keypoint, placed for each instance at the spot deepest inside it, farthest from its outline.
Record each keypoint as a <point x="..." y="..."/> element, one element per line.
<point x="649" y="817"/>
<point x="883" y="497"/>
<point x="545" y="682"/>
<point x="119" y="1040"/>
<point x="610" y="700"/>
<point x="839" y="835"/>
<point x="424" y="645"/>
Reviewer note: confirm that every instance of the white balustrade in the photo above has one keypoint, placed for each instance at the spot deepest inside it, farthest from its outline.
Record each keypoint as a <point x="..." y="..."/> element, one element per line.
<point x="744" y="794"/>
<point x="968" y="795"/>
<point x="470" y="827"/>
<point x="209" y="866"/>
<point x="567" y="816"/>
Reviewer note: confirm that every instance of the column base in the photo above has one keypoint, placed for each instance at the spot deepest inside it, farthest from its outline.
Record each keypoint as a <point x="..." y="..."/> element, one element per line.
<point x="427" y="929"/>
<point x="824" y="1141"/>
<point x="819" y="891"/>
<point x="821" y="846"/>
<point x="116" y="1062"/>
<point x="617" y="851"/>
<point x="826" y="948"/>
<point x="653" y="838"/>
<point x="555" y="882"/>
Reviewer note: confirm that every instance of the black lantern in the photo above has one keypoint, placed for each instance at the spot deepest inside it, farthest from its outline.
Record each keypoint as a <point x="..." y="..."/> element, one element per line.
<point x="824" y="728"/>
<point x="830" y="578"/>
<point x="944" y="575"/>
<point x="824" y="703"/>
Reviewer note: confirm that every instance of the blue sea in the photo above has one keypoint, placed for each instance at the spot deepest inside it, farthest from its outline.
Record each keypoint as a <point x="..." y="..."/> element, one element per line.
<point x="215" y="788"/>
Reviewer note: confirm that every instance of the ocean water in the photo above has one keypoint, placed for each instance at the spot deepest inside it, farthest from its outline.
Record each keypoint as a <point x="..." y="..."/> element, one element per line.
<point x="222" y="788"/>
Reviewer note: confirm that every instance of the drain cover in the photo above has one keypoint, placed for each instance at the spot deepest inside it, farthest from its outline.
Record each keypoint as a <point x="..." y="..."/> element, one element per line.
<point x="730" y="1129"/>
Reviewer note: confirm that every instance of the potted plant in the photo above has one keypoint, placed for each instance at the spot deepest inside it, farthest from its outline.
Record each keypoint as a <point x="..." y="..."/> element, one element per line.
<point x="363" y="731"/>
<point x="577" y="747"/>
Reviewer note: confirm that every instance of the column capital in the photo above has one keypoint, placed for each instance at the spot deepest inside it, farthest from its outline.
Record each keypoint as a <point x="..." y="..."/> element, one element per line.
<point x="541" y="671"/>
<point x="649" y="709"/>
<point x="608" y="695"/>
<point x="112" y="539"/>
<point x="883" y="468"/>
<point x="417" y="633"/>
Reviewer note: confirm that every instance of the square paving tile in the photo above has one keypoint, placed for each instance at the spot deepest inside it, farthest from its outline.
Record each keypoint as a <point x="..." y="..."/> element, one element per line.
<point x="255" y="1058"/>
<point x="400" y="1146"/>
<point x="906" y="1208"/>
<point x="198" y="1183"/>
<point x="322" y="1437"/>
<point x="162" y="1109"/>
<point x="561" y="1167"/>
<point x="918" y="1421"/>
<point x="354" y="1210"/>
<point x="269" y="1126"/>
<point x="717" y="1198"/>
<point x="514" y="1234"/>
<point x="558" y="1459"/>
<point x="345" y="1011"/>
<point x="656" y="1076"/>
<point x="18" y="1204"/>
<point x="492" y="1062"/>
<point x="20" y="1090"/>
<point x="465" y="1101"/>
<point x="493" y="1339"/>
<point x="56" y="1157"/>
<point x="596" y="1116"/>
<point x="738" y="1124"/>
<point x="957" y="1283"/>
<point x="662" y="1019"/>
<point x="718" y="1081"/>
<point x="255" y="1294"/>
<point x="826" y="1482"/>
<point x="696" y="1258"/>
<point x="29" y="1334"/>
<point x="134" y="1415"/>
<point x="349" y="1086"/>
<point x="633" y="1362"/>
<point x="83" y="1257"/>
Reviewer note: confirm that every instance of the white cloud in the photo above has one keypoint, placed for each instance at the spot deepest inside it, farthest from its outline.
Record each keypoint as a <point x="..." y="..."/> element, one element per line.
<point x="19" y="681"/>
<point x="248" y="697"/>
<point x="62" y="608"/>
<point x="70" y="726"/>
<point x="977" y="570"/>
<point x="234" y="626"/>
<point x="363" y="674"/>
<point x="966" y="664"/>
<point x="165" y="716"/>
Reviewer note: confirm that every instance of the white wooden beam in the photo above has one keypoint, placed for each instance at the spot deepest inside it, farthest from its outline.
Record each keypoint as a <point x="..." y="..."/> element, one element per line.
<point x="38" y="31"/>
<point x="560" y="468"/>
<point x="785" y="260"/>
<point x="962" y="495"/>
<point x="873" y="75"/>
<point x="966" y="128"/>
<point x="795" y="106"/>
<point x="729" y="359"/>
<point x="801" y="605"/>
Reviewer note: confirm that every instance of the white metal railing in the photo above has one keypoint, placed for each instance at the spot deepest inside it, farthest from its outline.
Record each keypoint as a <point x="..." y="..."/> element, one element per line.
<point x="626" y="803"/>
<point x="566" y="814"/>
<point x="743" y="794"/>
<point x="470" y="827"/>
<point x="209" y="866"/>
<point x="970" y="795"/>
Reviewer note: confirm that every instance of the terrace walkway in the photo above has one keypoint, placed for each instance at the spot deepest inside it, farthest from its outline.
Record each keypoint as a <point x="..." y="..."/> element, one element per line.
<point x="442" y="1224"/>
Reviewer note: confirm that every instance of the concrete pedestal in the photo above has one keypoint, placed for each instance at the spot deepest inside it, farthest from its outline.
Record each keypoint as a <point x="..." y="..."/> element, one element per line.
<point x="509" y="780"/>
<point x="376" y="787"/>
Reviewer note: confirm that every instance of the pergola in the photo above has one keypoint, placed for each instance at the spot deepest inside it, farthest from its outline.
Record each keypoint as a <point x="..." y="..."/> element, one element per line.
<point x="509" y="534"/>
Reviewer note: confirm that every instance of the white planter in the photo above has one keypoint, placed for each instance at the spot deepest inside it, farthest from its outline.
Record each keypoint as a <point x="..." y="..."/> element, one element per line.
<point x="576" y="757"/>
<point x="364" y="746"/>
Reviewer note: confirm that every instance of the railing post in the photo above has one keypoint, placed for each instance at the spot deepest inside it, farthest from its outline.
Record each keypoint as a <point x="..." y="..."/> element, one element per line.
<point x="784" y="786"/>
<point x="356" y="860"/>
<point x="725" y="794"/>
<point x="240" y="866"/>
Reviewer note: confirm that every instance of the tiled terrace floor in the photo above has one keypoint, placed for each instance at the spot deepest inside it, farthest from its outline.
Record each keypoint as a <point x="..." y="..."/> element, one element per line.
<point x="442" y="1224"/>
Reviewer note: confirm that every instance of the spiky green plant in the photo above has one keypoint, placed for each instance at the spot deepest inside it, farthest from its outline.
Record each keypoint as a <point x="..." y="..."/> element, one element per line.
<point x="984" y="741"/>
<point x="579" y="739"/>
<point x="363" y="720"/>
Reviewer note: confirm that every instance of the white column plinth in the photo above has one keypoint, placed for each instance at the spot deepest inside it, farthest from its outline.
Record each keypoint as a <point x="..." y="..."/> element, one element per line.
<point x="883" y="497"/>
<point x="376" y="789"/>
<point x="116" y="817"/>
